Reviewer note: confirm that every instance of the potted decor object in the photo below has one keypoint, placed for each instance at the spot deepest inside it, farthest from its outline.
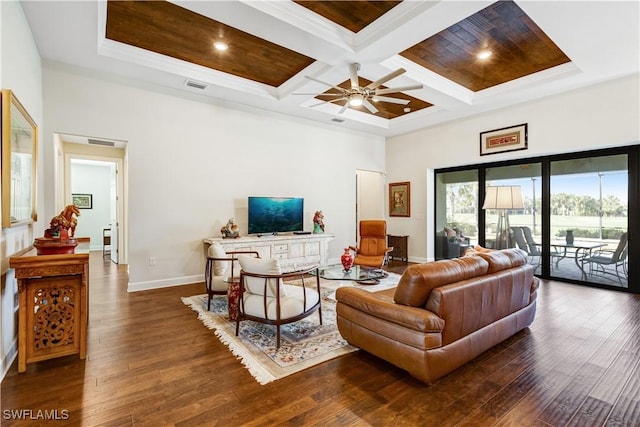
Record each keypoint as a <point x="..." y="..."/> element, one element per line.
<point x="569" y="237"/>
<point x="347" y="259"/>
<point x="318" y="223"/>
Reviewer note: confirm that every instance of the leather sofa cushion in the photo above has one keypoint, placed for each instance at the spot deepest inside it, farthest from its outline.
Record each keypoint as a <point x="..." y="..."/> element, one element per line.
<point x="380" y="304"/>
<point x="504" y="259"/>
<point x="418" y="280"/>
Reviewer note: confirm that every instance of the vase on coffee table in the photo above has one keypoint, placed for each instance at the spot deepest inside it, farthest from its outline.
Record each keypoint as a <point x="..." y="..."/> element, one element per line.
<point x="347" y="260"/>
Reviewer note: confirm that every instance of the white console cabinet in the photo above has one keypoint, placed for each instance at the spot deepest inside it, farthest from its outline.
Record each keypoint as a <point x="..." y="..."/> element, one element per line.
<point x="293" y="251"/>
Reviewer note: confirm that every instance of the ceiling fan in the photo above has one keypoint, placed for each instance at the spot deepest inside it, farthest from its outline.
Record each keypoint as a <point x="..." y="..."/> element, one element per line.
<point x="357" y="95"/>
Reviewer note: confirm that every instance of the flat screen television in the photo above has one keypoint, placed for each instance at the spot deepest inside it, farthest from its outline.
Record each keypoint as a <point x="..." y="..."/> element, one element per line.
<point x="268" y="215"/>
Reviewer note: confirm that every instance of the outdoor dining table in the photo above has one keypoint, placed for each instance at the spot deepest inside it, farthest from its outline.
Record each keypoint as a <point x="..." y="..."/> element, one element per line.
<point x="580" y="250"/>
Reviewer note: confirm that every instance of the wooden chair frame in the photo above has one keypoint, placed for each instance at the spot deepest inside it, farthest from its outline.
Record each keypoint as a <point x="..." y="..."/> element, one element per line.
<point x="208" y="272"/>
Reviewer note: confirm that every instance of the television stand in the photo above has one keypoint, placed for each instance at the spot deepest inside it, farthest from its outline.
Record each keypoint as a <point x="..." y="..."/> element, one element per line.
<point x="293" y="251"/>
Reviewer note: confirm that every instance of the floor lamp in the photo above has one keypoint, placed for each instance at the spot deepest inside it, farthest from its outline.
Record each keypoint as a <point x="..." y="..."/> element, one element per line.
<point x="503" y="199"/>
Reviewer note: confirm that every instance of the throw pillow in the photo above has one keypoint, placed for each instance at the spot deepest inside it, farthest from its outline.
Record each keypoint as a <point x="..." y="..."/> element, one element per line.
<point x="255" y="285"/>
<point x="476" y="250"/>
<point x="450" y="233"/>
<point x="217" y="251"/>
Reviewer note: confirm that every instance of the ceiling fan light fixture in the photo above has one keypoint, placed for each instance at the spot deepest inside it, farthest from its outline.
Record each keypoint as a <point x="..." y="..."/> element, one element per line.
<point x="221" y="46"/>
<point x="356" y="100"/>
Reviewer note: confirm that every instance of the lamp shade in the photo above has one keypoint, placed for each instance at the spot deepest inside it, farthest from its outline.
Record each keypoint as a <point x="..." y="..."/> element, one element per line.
<point x="503" y="197"/>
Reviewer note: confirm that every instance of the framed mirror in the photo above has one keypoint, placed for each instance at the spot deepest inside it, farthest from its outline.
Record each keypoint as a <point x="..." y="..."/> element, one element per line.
<point x="19" y="160"/>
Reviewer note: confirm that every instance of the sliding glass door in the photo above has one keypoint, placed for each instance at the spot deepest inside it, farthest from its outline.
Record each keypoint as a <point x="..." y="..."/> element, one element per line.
<point x="523" y="226"/>
<point x="456" y="213"/>
<point x="589" y="223"/>
<point x="574" y="215"/>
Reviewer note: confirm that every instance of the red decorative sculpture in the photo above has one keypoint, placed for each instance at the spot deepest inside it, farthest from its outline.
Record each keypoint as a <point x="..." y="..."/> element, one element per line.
<point x="63" y="225"/>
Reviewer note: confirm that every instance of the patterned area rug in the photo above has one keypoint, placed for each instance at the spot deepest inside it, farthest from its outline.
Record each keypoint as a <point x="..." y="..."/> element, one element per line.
<point x="303" y="344"/>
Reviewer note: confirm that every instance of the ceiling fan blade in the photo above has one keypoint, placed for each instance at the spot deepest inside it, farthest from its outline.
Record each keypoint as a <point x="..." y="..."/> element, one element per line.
<point x="344" y="107"/>
<point x="327" y="102"/>
<point x="396" y="89"/>
<point x="353" y="72"/>
<point x="389" y="99"/>
<point x="318" y="94"/>
<point x="327" y="84"/>
<point x="386" y="78"/>
<point x="369" y="106"/>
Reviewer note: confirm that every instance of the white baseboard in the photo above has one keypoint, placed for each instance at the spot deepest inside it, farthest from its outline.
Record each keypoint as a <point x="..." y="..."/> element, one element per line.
<point x="165" y="283"/>
<point x="9" y="358"/>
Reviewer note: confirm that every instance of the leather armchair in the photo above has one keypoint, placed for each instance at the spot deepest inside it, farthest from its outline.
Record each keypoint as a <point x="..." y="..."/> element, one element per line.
<point x="373" y="248"/>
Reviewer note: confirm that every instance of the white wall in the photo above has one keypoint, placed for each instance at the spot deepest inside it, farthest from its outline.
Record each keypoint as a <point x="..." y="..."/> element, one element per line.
<point x="192" y="165"/>
<point x="605" y="115"/>
<point x="21" y="72"/>
<point x="94" y="179"/>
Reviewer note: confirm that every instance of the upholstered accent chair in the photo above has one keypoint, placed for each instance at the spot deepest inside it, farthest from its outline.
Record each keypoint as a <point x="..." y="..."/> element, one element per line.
<point x="219" y="270"/>
<point x="265" y="298"/>
<point x="373" y="248"/>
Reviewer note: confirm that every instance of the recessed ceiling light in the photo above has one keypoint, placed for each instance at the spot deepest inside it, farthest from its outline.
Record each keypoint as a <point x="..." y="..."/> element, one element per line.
<point x="407" y="109"/>
<point x="484" y="54"/>
<point x="220" y="46"/>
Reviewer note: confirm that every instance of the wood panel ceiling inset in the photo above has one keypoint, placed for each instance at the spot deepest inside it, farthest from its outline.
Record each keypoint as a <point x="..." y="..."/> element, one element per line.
<point x="352" y="15"/>
<point x="170" y="30"/>
<point x="519" y="48"/>
<point x="386" y="110"/>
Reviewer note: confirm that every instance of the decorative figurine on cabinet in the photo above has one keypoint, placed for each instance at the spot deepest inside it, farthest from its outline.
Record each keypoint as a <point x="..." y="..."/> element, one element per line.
<point x="230" y="231"/>
<point x="318" y="223"/>
<point x="64" y="224"/>
<point x="59" y="237"/>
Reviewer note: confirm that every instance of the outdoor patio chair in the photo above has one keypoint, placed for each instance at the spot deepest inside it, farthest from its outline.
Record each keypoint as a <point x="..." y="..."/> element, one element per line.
<point x="518" y="236"/>
<point x="523" y="237"/>
<point x="607" y="262"/>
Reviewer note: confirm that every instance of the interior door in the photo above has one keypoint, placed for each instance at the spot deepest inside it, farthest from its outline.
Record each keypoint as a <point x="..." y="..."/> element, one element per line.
<point x="114" y="213"/>
<point x="369" y="196"/>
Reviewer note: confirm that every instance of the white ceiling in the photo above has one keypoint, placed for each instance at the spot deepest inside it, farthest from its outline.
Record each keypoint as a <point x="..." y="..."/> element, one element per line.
<point x="602" y="38"/>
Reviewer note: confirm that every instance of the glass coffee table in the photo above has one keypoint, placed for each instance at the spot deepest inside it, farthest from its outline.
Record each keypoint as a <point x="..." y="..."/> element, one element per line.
<point x="357" y="273"/>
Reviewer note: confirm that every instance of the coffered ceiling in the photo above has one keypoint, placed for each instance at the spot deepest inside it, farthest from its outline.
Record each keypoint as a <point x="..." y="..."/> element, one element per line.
<point x="535" y="48"/>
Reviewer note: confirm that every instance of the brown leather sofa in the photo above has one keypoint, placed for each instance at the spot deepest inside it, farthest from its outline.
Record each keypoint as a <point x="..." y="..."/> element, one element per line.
<point x="442" y="314"/>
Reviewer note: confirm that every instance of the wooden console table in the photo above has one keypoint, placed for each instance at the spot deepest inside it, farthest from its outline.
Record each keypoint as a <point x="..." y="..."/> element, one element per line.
<point x="400" y="247"/>
<point x="53" y="309"/>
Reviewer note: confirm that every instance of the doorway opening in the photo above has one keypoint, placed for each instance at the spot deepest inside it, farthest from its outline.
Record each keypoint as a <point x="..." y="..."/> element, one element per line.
<point x="369" y="197"/>
<point x="96" y="168"/>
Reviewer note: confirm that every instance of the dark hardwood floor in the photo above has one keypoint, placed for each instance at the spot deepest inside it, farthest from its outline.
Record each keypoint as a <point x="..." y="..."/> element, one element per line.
<point x="152" y="363"/>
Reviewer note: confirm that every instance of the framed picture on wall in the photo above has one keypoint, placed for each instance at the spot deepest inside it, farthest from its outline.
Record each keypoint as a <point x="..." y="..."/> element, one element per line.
<point x="82" y="201"/>
<point x="400" y="199"/>
<point x="506" y="139"/>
